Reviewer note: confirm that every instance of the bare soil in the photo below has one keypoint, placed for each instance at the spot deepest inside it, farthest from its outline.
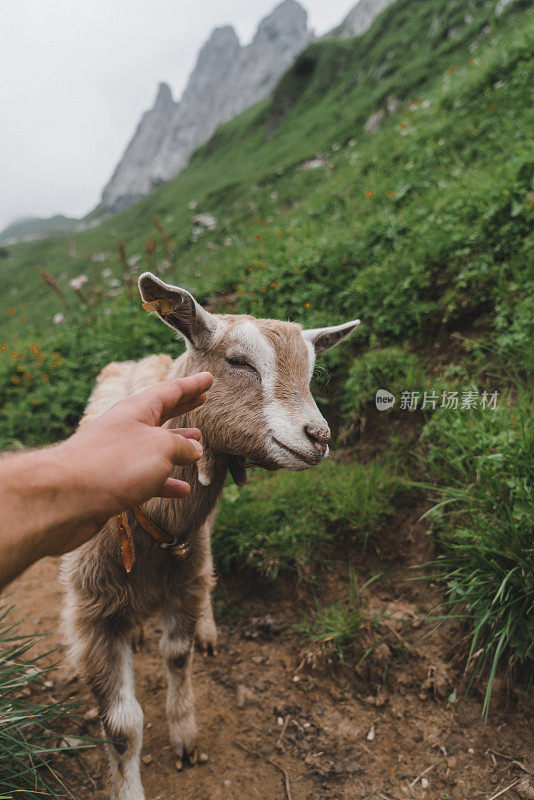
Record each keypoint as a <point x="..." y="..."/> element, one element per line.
<point x="282" y="718"/>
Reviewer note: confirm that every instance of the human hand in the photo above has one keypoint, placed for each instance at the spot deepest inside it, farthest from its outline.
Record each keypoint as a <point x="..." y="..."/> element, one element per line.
<point x="55" y="499"/>
<point x="124" y="457"/>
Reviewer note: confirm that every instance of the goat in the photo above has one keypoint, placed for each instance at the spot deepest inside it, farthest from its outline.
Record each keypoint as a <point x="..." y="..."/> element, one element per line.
<point x="259" y="409"/>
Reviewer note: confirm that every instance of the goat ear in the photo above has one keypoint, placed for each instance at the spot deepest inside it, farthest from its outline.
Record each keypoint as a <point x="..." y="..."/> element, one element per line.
<point x="177" y="308"/>
<point x="325" y="338"/>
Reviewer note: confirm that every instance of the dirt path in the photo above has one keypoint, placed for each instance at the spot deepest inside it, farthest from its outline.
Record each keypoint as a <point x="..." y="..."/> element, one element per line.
<point x="282" y="719"/>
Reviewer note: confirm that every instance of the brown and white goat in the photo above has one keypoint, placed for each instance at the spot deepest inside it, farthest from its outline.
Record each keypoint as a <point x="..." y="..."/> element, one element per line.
<point x="260" y="410"/>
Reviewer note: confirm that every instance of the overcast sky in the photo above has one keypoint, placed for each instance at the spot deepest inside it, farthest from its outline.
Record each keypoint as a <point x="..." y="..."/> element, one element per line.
<point x="76" y="76"/>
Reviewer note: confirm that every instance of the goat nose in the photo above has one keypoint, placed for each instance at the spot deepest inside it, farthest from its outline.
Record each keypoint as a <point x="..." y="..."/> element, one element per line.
<point x="319" y="436"/>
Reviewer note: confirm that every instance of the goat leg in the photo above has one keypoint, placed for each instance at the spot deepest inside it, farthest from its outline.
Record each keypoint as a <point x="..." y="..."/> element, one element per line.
<point x="177" y="646"/>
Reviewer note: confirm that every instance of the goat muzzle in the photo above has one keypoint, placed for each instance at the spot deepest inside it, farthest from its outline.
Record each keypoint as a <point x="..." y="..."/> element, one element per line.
<point x="319" y="436"/>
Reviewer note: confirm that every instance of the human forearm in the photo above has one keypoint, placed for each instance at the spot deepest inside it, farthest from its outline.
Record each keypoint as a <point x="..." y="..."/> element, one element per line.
<point x="41" y="497"/>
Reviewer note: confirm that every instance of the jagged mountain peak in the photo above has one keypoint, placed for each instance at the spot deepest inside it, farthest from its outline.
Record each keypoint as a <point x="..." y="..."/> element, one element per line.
<point x="289" y="17"/>
<point x="164" y="96"/>
<point x="227" y="78"/>
<point x="222" y="36"/>
<point x="222" y="45"/>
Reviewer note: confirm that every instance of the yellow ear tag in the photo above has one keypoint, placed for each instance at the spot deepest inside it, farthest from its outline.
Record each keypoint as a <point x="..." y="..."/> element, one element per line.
<point x="163" y="307"/>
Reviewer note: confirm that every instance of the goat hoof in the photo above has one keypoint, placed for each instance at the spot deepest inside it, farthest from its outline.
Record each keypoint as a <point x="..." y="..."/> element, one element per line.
<point x="192" y="758"/>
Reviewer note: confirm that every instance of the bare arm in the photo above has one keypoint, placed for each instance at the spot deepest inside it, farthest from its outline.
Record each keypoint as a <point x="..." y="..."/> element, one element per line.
<point x="55" y="499"/>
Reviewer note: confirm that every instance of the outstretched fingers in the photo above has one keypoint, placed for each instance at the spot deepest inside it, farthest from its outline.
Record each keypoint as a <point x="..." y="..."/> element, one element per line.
<point x="172" y="398"/>
<point x="184" y="394"/>
<point x="175" y="488"/>
<point x="187" y="433"/>
<point x="185" y="449"/>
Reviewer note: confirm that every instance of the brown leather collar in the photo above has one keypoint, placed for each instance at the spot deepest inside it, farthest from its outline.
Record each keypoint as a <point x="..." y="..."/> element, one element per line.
<point x="179" y="549"/>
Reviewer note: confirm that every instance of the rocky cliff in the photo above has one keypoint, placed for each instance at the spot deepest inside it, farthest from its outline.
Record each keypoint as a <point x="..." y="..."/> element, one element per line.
<point x="360" y="18"/>
<point x="227" y="79"/>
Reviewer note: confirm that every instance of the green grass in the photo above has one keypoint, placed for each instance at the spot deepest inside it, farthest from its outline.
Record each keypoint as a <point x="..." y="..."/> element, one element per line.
<point x="30" y="729"/>
<point x="336" y="625"/>
<point x="484" y="460"/>
<point x="282" y="521"/>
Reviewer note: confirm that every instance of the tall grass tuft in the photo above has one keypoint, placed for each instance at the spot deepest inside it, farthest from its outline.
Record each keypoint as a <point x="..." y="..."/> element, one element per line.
<point x="337" y="624"/>
<point x="485" y="520"/>
<point x="30" y="736"/>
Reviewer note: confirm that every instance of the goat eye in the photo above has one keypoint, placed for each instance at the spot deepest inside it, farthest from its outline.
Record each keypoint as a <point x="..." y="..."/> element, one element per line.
<point x="240" y="362"/>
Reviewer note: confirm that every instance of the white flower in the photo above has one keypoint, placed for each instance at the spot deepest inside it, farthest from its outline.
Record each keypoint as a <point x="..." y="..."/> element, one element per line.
<point x="58" y="318"/>
<point x="114" y="282"/>
<point x="78" y="282"/>
<point x="106" y="273"/>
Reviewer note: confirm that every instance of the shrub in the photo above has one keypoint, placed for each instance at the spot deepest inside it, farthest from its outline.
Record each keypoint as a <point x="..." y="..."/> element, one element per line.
<point x="44" y="386"/>
<point x="390" y="368"/>
<point x="280" y="521"/>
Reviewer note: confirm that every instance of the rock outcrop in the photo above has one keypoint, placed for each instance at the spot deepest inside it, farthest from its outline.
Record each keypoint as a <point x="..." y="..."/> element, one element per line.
<point x="360" y="18"/>
<point x="227" y="79"/>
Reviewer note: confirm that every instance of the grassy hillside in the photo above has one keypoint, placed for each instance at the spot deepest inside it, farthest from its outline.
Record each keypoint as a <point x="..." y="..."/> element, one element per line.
<point x="326" y="98"/>
<point x="421" y="227"/>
